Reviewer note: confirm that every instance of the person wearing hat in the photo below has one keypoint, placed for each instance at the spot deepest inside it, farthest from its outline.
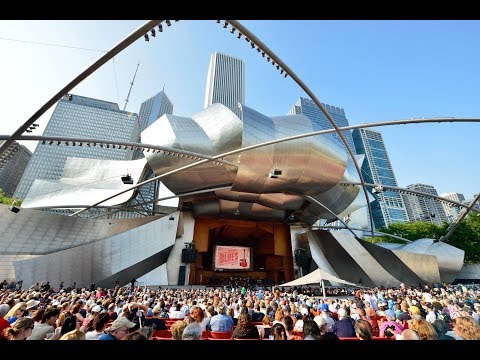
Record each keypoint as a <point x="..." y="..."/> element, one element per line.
<point x="32" y="305"/>
<point x="118" y="330"/>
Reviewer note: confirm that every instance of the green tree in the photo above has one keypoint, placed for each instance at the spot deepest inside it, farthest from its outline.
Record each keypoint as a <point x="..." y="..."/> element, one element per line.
<point x="465" y="237"/>
<point x="4" y="199"/>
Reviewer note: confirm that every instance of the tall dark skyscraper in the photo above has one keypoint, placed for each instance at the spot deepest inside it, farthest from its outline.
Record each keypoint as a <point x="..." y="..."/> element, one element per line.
<point x="80" y="117"/>
<point x="12" y="165"/>
<point x="389" y="206"/>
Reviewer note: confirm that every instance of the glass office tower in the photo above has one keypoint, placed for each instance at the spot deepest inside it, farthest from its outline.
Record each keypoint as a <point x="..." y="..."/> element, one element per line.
<point x="308" y="108"/>
<point x="13" y="163"/>
<point x="388" y="207"/>
<point x="81" y="117"/>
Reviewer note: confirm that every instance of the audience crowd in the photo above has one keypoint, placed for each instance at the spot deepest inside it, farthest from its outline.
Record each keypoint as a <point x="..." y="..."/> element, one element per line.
<point x="430" y="312"/>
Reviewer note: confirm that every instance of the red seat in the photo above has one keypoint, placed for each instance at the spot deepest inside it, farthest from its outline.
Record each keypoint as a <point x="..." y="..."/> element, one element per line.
<point x="383" y="338"/>
<point x="349" y="338"/>
<point x="162" y="334"/>
<point x="205" y="334"/>
<point x="220" y="335"/>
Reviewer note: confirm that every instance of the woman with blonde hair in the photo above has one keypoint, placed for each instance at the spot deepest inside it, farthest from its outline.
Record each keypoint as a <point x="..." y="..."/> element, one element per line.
<point x="73" y="335"/>
<point x="279" y="315"/>
<point x="16" y="312"/>
<point x="466" y="328"/>
<point x="177" y="329"/>
<point x="425" y="330"/>
<point x="20" y="330"/>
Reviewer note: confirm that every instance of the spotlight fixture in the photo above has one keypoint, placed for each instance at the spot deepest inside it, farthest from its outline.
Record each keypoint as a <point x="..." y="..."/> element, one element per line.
<point x="153" y="32"/>
<point x="168" y="22"/>
<point x="281" y="71"/>
<point x="263" y="53"/>
<point x="171" y="217"/>
<point x="275" y="173"/>
<point x="278" y="67"/>
<point x="273" y="62"/>
<point x="377" y="189"/>
<point x="146" y="37"/>
<point x="69" y="97"/>
<point x="239" y="35"/>
<point x="268" y="58"/>
<point x="127" y="179"/>
<point x="232" y="30"/>
<point x="218" y="21"/>
<point x="252" y="45"/>
<point x="13" y="208"/>
<point x="225" y="24"/>
<point x="258" y="49"/>
<point x="247" y="39"/>
<point x="160" y="28"/>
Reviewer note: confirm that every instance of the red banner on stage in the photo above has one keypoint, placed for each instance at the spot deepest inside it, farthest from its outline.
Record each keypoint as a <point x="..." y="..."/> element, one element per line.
<point x="232" y="258"/>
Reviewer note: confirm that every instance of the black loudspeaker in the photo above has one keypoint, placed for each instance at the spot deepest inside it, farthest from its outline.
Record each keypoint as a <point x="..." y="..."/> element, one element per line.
<point x="301" y="257"/>
<point x="189" y="255"/>
<point x="181" y="275"/>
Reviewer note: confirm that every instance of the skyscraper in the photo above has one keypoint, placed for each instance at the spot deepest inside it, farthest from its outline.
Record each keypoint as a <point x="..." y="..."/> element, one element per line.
<point x="389" y="206"/>
<point x="226" y="82"/>
<point x="81" y="117"/>
<point x="452" y="211"/>
<point x="308" y="108"/>
<point x="150" y="110"/>
<point x="154" y="107"/>
<point x="422" y="208"/>
<point x="13" y="163"/>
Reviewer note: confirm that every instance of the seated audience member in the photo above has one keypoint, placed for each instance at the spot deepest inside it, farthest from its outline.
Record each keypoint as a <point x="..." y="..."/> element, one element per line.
<point x="177" y="329"/>
<point x="441" y="328"/>
<point x="20" y="329"/>
<point x="221" y="321"/>
<point x="311" y="331"/>
<point x="49" y="318"/>
<point x="118" y="330"/>
<point x="279" y="332"/>
<point x="4" y="323"/>
<point x="136" y="335"/>
<point x="155" y="321"/>
<point x="343" y="327"/>
<point x="73" y="335"/>
<point x="99" y="325"/>
<point x="363" y="330"/>
<point x="245" y="328"/>
<point x="324" y="333"/>
<point x="408" y="334"/>
<point x="390" y="325"/>
<point x="466" y="328"/>
<point x="425" y="330"/>
<point x="288" y="323"/>
<point x="192" y="331"/>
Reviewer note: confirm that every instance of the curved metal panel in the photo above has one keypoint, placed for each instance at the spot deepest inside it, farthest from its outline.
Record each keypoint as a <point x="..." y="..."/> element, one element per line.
<point x="278" y="201"/>
<point x="185" y="134"/>
<point x="222" y="126"/>
<point x="309" y="165"/>
<point x="84" y="182"/>
<point x="450" y="258"/>
<point x="338" y="198"/>
<point x="101" y="260"/>
<point x="255" y="164"/>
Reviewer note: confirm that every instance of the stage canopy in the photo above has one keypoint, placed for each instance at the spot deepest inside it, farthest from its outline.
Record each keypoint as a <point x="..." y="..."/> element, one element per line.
<point x="315" y="278"/>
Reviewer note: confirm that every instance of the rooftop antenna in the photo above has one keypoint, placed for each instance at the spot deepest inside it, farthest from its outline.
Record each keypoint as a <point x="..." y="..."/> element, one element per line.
<point x="131" y="85"/>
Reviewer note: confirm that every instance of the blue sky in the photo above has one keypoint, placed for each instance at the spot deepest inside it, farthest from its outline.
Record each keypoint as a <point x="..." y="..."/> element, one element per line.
<point x="375" y="70"/>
